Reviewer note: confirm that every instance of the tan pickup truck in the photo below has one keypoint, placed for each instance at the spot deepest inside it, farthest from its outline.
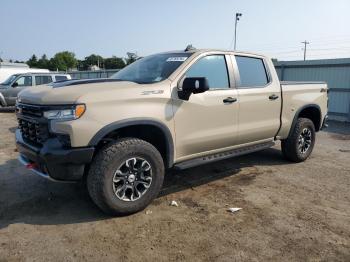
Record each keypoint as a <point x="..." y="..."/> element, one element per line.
<point x="176" y="109"/>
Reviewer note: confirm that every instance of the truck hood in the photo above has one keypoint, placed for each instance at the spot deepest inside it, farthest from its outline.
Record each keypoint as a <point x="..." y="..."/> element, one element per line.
<point x="68" y="92"/>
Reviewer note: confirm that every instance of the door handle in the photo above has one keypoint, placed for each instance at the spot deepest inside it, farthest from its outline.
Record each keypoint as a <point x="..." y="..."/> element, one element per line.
<point x="273" y="97"/>
<point x="229" y="100"/>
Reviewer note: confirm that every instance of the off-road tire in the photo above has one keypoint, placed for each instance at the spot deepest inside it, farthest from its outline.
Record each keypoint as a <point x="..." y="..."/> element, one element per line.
<point x="104" y="165"/>
<point x="290" y="146"/>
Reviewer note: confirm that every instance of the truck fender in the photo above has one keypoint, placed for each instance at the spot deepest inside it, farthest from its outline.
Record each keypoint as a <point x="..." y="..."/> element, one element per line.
<point x="134" y="122"/>
<point x="297" y="114"/>
<point x="2" y="101"/>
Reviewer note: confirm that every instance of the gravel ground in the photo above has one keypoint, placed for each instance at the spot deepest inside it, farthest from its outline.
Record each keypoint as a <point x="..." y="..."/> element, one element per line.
<point x="290" y="212"/>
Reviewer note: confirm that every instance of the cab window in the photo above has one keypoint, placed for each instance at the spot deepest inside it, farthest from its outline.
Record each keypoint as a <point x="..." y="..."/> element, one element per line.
<point x="214" y="68"/>
<point x="252" y="72"/>
<point x="24" y="81"/>
<point x="61" y="78"/>
<point x="41" y="80"/>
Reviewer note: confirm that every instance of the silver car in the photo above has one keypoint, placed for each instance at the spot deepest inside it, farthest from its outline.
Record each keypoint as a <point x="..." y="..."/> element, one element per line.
<point x="16" y="83"/>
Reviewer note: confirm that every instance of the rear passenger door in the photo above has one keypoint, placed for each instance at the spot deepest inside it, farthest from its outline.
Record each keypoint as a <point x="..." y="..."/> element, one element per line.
<point x="259" y="99"/>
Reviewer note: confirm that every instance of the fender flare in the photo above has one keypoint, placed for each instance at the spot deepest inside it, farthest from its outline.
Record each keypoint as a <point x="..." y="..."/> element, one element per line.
<point x="2" y="100"/>
<point x="296" y="116"/>
<point x="134" y="122"/>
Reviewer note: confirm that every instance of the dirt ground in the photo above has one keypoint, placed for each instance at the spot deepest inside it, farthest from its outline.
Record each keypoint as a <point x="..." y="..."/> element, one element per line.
<point x="290" y="212"/>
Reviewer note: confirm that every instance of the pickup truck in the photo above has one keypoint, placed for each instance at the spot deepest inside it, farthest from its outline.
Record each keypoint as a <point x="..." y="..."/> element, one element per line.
<point x="10" y="88"/>
<point x="169" y="110"/>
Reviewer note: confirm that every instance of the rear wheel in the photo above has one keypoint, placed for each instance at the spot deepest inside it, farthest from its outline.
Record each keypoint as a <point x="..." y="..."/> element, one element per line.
<point x="125" y="176"/>
<point x="300" y="143"/>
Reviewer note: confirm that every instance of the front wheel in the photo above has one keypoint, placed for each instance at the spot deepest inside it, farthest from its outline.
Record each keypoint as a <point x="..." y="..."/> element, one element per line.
<point x="300" y="143"/>
<point x="125" y="176"/>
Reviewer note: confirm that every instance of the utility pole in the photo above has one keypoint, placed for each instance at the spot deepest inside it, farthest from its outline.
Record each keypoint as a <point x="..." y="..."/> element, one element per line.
<point x="238" y="15"/>
<point x="305" y="43"/>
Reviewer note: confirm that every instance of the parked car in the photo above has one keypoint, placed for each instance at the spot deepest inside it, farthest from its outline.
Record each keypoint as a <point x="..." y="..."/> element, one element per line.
<point x="10" y="88"/>
<point x="176" y="109"/>
<point x="8" y="69"/>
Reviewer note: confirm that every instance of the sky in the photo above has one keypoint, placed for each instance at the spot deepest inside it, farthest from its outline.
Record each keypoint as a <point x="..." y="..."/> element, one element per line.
<point x="114" y="27"/>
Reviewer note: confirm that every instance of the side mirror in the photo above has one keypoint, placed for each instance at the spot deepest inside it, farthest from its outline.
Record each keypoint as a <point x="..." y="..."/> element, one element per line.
<point x="192" y="85"/>
<point x="15" y="84"/>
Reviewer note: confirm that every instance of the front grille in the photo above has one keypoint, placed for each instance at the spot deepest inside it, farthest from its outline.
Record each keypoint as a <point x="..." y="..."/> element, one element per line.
<point x="33" y="132"/>
<point x="29" y="110"/>
<point x="33" y="126"/>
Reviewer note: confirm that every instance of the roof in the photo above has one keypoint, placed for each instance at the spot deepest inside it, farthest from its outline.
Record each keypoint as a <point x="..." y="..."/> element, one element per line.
<point x="318" y="62"/>
<point x="42" y="73"/>
<point x="204" y="50"/>
<point x="9" y="65"/>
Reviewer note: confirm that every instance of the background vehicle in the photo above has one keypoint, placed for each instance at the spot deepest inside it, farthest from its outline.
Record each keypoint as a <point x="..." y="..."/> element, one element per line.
<point x="10" y="88"/>
<point x="8" y="69"/>
<point x="176" y="109"/>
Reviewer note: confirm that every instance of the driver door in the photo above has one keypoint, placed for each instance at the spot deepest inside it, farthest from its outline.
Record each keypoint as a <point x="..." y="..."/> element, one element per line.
<point x="17" y="86"/>
<point x="207" y="121"/>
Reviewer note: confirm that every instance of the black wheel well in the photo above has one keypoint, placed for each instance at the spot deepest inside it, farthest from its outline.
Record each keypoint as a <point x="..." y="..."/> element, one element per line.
<point x="314" y="114"/>
<point x="149" y="133"/>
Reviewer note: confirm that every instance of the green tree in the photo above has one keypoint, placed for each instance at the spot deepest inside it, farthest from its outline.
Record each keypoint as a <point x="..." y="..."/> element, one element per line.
<point x="43" y="62"/>
<point x="92" y="60"/>
<point x="132" y="57"/>
<point x="33" y="61"/>
<point x="63" y="61"/>
<point x="114" y="63"/>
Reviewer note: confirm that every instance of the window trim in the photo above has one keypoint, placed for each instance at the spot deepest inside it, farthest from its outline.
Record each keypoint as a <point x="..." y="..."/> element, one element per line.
<point x="203" y="56"/>
<point x="238" y="75"/>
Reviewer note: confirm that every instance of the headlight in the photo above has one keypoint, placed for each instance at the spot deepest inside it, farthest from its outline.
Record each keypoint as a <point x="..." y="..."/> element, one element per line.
<point x="71" y="113"/>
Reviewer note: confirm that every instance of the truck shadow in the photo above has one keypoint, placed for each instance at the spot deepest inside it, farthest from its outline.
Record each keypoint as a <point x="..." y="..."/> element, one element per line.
<point x="26" y="198"/>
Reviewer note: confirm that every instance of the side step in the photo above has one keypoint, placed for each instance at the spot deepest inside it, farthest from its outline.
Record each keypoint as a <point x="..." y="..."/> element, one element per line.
<point x="223" y="155"/>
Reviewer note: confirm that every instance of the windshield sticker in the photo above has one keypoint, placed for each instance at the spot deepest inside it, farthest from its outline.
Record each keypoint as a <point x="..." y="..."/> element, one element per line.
<point x="176" y="59"/>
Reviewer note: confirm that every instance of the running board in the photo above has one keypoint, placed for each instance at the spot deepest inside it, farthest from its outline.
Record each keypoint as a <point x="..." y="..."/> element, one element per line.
<point x="223" y="155"/>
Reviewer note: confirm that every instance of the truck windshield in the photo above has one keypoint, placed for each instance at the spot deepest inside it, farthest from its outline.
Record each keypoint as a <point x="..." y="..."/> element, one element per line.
<point x="9" y="80"/>
<point x="152" y="69"/>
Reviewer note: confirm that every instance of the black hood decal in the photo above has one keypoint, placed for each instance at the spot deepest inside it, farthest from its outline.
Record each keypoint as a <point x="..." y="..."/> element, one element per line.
<point x="74" y="82"/>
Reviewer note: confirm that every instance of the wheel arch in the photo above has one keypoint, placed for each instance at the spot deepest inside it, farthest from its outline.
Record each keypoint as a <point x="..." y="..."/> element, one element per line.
<point x="150" y="130"/>
<point x="310" y="111"/>
<point x="2" y="100"/>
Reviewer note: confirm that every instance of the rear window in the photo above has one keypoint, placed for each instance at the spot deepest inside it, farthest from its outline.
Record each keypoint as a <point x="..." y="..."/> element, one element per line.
<point x="61" y="78"/>
<point x="252" y="72"/>
<point x="41" y="80"/>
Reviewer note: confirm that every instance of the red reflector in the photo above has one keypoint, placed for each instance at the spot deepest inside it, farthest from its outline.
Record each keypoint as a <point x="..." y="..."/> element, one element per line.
<point x="31" y="166"/>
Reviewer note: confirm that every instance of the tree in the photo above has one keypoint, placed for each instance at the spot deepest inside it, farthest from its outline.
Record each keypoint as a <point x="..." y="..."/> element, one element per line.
<point x="43" y="62"/>
<point x="92" y="60"/>
<point x="132" y="57"/>
<point x="63" y="61"/>
<point x="114" y="63"/>
<point x="33" y="61"/>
